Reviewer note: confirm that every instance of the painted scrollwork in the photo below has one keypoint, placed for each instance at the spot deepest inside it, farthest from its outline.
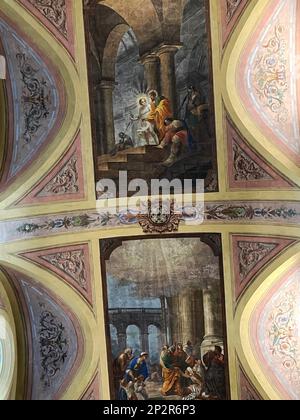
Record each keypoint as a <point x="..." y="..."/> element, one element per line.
<point x="245" y="169"/>
<point x="250" y="253"/>
<point x="53" y="346"/>
<point x="71" y="263"/>
<point x="35" y="97"/>
<point x="238" y="212"/>
<point x="270" y="74"/>
<point x="55" y="12"/>
<point x="65" y="182"/>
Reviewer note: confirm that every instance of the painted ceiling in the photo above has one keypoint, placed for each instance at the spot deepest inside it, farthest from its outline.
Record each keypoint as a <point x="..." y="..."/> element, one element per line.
<point x="50" y="224"/>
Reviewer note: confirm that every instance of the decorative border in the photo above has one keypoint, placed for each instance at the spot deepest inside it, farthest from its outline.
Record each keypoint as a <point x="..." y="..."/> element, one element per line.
<point x="234" y="212"/>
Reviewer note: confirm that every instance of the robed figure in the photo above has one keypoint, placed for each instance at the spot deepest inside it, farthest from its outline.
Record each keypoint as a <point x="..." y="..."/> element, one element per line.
<point x="160" y="110"/>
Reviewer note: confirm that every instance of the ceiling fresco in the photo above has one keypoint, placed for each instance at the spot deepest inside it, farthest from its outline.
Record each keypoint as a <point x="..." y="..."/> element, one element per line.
<point x="52" y="225"/>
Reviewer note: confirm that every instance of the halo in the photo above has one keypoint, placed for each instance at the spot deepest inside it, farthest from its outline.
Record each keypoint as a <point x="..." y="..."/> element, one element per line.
<point x="141" y="96"/>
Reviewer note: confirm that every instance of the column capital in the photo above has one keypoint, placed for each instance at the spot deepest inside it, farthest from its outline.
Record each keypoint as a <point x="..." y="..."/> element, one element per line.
<point x="107" y="84"/>
<point x="168" y="49"/>
<point x="149" y="58"/>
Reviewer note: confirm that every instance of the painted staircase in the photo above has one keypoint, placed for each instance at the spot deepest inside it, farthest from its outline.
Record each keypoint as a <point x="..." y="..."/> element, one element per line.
<point x="146" y="163"/>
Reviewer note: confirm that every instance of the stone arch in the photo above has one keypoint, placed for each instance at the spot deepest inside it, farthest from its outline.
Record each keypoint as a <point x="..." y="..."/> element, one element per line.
<point x="148" y="32"/>
<point x="111" y="51"/>
<point x="172" y="18"/>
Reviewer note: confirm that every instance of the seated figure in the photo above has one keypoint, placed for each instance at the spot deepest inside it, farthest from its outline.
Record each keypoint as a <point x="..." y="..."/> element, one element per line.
<point x="176" y="136"/>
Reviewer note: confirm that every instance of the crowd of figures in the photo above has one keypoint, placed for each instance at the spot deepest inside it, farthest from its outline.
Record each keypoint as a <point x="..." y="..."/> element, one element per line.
<point x="181" y="374"/>
<point x="155" y="125"/>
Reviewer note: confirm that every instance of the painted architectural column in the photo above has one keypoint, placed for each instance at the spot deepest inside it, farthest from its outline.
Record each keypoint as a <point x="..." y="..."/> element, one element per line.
<point x="166" y="54"/>
<point x="186" y="318"/>
<point x="122" y="344"/>
<point x="152" y="73"/>
<point x="145" y="342"/>
<point x="106" y="88"/>
<point x="173" y="318"/>
<point x="211" y="337"/>
<point x="164" y="336"/>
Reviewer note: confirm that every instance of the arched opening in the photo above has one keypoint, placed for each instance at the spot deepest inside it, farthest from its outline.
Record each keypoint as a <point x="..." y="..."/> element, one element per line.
<point x="133" y="339"/>
<point x="107" y="85"/>
<point x="155" y="344"/>
<point x="114" y="340"/>
<point x="130" y="87"/>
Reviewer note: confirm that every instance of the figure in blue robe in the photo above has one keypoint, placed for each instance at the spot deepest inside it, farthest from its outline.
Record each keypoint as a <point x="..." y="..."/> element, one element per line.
<point x="138" y="366"/>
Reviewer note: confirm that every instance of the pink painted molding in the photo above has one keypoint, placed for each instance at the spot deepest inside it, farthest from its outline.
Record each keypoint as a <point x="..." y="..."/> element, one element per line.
<point x="231" y="11"/>
<point x="57" y="17"/>
<point x="251" y="254"/>
<point x="64" y="182"/>
<point x="71" y="263"/>
<point x="246" y="169"/>
<point x="93" y="391"/>
<point x="247" y="390"/>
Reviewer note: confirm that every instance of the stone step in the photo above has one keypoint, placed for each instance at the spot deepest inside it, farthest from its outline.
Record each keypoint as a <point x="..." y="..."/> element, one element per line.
<point x="114" y="174"/>
<point x="103" y="166"/>
<point x="155" y="157"/>
<point x="150" y="151"/>
<point x="109" y="158"/>
<point x="132" y="166"/>
<point x="139" y="169"/>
